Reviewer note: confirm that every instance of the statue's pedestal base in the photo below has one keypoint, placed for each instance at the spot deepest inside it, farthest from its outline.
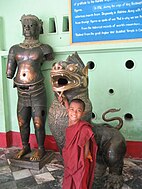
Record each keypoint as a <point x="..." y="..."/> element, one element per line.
<point x="25" y="161"/>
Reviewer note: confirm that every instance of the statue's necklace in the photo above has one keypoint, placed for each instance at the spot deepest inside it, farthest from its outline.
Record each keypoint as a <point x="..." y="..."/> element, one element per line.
<point x="30" y="44"/>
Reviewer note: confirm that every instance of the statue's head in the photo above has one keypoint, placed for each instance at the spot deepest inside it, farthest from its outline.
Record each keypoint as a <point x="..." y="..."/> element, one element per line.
<point x="32" y="26"/>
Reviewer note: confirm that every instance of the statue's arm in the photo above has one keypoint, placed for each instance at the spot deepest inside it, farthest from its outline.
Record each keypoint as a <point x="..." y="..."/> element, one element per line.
<point x="47" y="52"/>
<point x="11" y="64"/>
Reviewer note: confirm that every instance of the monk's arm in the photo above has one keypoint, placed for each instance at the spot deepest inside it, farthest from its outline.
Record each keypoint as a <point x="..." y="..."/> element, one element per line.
<point x="66" y="103"/>
<point x="63" y="100"/>
<point x="87" y="151"/>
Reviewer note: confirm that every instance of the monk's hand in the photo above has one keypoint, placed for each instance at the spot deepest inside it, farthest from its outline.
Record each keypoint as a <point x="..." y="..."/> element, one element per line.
<point x="90" y="157"/>
<point x="62" y="99"/>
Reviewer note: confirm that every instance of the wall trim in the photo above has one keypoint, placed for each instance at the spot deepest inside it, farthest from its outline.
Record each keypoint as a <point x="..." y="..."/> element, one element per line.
<point x="81" y="49"/>
<point x="11" y="138"/>
<point x="134" y="149"/>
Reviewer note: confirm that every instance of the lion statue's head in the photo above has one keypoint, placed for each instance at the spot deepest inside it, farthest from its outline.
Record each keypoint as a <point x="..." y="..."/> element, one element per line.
<point x="69" y="75"/>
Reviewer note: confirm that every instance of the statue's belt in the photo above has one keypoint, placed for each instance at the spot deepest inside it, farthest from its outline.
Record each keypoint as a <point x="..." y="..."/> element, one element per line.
<point x="29" y="86"/>
<point x="29" y="90"/>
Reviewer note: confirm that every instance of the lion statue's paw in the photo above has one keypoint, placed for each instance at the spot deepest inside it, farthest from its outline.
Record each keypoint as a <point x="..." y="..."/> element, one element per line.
<point x="114" y="182"/>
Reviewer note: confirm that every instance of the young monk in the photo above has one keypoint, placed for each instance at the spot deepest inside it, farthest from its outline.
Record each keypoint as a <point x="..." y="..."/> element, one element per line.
<point x="79" y="152"/>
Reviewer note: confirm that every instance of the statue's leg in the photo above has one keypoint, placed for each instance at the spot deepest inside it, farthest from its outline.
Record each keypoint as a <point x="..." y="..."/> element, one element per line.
<point x="99" y="172"/>
<point x="114" y="155"/>
<point x="24" y="117"/>
<point x="39" y="118"/>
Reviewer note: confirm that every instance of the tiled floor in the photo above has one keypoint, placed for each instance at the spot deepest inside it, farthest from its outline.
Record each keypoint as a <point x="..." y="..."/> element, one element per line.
<point x="50" y="176"/>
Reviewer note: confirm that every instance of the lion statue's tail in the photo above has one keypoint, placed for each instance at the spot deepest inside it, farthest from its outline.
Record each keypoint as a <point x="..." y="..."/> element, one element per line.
<point x="120" y="124"/>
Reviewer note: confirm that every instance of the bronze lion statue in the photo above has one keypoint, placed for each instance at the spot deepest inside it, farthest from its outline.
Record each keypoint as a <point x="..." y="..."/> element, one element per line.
<point x="70" y="78"/>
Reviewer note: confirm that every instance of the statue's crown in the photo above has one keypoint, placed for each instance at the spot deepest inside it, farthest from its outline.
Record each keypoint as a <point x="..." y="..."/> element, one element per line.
<point x="30" y="16"/>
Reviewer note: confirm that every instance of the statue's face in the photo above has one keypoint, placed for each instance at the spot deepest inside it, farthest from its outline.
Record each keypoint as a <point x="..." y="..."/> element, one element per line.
<point x="30" y="28"/>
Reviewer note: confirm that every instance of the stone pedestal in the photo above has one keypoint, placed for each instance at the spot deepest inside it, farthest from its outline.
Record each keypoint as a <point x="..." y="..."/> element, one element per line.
<point x="26" y="163"/>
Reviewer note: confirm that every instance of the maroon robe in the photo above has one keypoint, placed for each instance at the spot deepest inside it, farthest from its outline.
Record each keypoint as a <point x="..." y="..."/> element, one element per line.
<point x="75" y="165"/>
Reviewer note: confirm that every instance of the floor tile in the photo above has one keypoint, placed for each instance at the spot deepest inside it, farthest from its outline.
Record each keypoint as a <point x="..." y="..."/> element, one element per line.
<point x="8" y="185"/>
<point x="37" y="172"/>
<point x="5" y="169"/>
<point x="24" y="173"/>
<point x="135" y="183"/>
<point x="15" y="168"/>
<point x="49" y="185"/>
<point x="44" y="177"/>
<point x="6" y="178"/>
<point x="28" y="182"/>
<point x="125" y="186"/>
<point x="54" y="166"/>
<point x="58" y="175"/>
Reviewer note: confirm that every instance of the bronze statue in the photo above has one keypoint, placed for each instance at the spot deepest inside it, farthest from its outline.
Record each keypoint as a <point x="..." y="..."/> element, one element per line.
<point x="25" y="59"/>
<point x="70" y="79"/>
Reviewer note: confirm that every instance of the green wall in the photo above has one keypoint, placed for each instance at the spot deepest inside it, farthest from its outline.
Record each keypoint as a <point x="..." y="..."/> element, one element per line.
<point x="109" y="72"/>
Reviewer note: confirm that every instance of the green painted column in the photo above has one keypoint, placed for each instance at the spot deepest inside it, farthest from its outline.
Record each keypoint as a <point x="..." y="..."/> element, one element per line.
<point x="3" y="96"/>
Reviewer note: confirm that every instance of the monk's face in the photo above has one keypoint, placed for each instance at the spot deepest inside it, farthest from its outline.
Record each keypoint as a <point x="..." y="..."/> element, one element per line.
<point x="75" y="112"/>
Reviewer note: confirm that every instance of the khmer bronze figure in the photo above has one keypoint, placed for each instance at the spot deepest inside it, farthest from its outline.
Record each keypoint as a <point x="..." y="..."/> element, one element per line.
<point x="24" y="65"/>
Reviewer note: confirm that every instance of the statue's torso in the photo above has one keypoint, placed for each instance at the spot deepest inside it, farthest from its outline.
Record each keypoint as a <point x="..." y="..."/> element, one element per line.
<point x="28" y="65"/>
